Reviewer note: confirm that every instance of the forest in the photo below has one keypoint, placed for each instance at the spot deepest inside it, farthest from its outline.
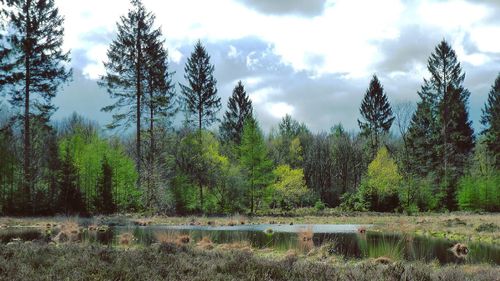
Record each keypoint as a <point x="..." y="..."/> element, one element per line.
<point x="404" y="158"/>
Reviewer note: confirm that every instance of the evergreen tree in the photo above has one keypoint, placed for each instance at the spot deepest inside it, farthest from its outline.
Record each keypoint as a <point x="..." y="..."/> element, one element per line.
<point x="160" y="107"/>
<point x="33" y="69"/>
<point x="130" y="61"/>
<point x="200" y="94"/>
<point x="104" y="199"/>
<point x="201" y="102"/>
<point x="70" y="197"/>
<point x="422" y="137"/>
<point x="255" y="162"/>
<point x="490" y="119"/>
<point x="456" y="139"/>
<point x="239" y="109"/>
<point x="376" y="112"/>
<point x="441" y="135"/>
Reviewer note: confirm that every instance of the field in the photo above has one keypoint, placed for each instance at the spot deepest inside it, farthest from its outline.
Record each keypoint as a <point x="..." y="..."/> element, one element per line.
<point x="169" y="261"/>
<point x="36" y="257"/>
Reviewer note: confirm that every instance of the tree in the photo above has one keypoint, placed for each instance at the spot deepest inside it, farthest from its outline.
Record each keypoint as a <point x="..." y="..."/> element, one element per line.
<point x="131" y="57"/>
<point x="422" y="137"/>
<point x="201" y="103"/>
<point x="104" y="199"/>
<point x="376" y="112"/>
<point x="254" y="161"/>
<point x="380" y="186"/>
<point x="479" y="188"/>
<point x="289" y="187"/>
<point x="348" y="161"/>
<point x="34" y="67"/>
<point x="490" y="119"/>
<point x="70" y="197"/>
<point x="287" y="143"/>
<point x="318" y="169"/>
<point x="448" y="103"/>
<point x="200" y="94"/>
<point x="239" y="109"/>
<point x="160" y="105"/>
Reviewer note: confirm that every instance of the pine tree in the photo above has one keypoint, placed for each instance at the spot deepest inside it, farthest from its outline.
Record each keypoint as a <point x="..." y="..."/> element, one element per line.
<point x="33" y="69"/>
<point x="490" y="119"/>
<point x="200" y="94"/>
<point x="104" y="198"/>
<point x="377" y="114"/>
<point x="127" y="70"/>
<point x="239" y="109"/>
<point x="254" y="160"/>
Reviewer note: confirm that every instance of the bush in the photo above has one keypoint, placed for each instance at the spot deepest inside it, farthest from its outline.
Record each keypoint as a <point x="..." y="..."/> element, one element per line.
<point x="480" y="192"/>
<point x="319" y="206"/>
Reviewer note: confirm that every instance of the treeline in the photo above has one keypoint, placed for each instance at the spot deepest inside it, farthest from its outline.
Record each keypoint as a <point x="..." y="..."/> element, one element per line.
<point x="433" y="162"/>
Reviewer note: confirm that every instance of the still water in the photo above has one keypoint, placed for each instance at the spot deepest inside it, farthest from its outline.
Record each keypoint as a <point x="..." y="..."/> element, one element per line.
<point x="343" y="240"/>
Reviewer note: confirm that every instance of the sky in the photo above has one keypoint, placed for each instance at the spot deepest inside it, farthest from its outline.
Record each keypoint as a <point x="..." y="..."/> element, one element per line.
<point x="312" y="59"/>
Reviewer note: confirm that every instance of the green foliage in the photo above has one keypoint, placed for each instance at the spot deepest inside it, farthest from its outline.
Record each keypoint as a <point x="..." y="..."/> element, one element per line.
<point x="381" y="184"/>
<point x="289" y="187"/>
<point x="88" y="153"/>
<point x="319" y="206"/>
<point x="201" y="103"/>
<point x="254" y="161"/>
<point x="480" y="188"/>
<point x="376" y="112"/>
<point x="490" y="119"/>
<point x="104" y="200"/>
<point x="239" y="108"/>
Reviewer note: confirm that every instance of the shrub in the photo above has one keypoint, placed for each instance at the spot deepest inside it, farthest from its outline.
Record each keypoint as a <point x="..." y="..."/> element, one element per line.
<point x="319" y="206"/>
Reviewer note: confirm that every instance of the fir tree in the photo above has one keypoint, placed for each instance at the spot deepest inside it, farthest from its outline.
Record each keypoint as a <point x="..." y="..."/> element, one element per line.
<point x="254" y="160"/>
<point x="33" y="68"/>
<point x="442" y="136"/>
<point x="421" y="141"/>
<point x="201" y="103"/>
<point x="127" y="70"/>
<point x="490" y="119"/>
<point x="239" y="109"/>
<point x="160" y="107"/>
<point x="70" y="196"/>
<point x="104" y="198"/>
<point x="200" y="94"/>
<point x="377" y="114"/>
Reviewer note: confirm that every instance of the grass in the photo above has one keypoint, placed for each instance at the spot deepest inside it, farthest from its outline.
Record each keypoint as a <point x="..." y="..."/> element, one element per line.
<point x="172" y="262"/>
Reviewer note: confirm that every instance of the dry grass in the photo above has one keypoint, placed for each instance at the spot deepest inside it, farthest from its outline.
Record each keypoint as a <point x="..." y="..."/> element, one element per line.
<point x="305" y="239"/>
<point x="69" y="231"/>
<point x="143" y="222"/>
<point x="169" y="237"/>
<point x="239" y="246"/>
<point x="126" y="239"/>
<point x="205" y="243"/>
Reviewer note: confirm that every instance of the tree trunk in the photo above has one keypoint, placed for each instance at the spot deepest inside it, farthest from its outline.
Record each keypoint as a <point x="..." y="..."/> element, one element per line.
<point x="27" y="128"/>
<point x="138" y="100"/>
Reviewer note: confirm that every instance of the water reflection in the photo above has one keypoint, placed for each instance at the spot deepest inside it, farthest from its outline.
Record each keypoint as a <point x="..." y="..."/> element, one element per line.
<point x="347" y="243"/>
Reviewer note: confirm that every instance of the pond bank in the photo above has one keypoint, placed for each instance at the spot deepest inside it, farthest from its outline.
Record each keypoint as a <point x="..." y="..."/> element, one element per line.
<point x="168" y="261"/>
<point x="465" y="227"/>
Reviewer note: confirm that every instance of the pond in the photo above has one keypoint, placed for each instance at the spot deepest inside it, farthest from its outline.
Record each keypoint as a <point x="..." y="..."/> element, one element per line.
<point x="343" y="240"/>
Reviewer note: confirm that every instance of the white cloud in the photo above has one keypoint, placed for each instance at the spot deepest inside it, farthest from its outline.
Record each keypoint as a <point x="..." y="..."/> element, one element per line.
<point x="279" y="109"/>
<point x="345" y="36"/>
<point x="233" y="52"/>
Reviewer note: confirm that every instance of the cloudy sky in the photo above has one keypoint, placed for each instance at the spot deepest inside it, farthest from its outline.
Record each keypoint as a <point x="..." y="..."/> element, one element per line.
<point x="312" y="59"/>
